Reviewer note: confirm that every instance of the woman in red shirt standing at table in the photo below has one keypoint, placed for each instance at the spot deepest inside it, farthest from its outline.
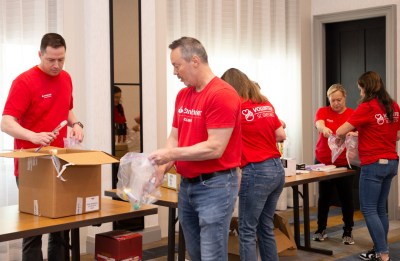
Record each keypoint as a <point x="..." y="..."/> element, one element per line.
<point x="327" y="120"/>
<point x="263" y="176"/>
<point x="377" y="122"/>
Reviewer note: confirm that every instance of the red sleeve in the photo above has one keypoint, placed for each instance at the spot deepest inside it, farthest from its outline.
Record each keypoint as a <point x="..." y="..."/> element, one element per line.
<point x="18" y="99"/>
<point x="223" y="109"/>
<point x="320" y="115"/>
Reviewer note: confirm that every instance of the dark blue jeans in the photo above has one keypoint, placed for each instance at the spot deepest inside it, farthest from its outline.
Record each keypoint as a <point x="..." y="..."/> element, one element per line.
<point x="375" y="181"/>
<point x="205" y="210"/>
<point x="261" y="185"/>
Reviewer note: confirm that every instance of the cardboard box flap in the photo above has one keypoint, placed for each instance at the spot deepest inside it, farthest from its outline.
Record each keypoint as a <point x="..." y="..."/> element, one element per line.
<point x="20" y="154"/>
<point x="88" y="158"/>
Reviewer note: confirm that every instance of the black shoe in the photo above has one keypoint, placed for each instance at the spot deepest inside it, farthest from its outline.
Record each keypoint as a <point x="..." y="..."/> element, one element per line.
<point x="347" y="238"/>
<point x="320" y="235"/>
<point x="378" y="258"/>
<point x="368" y="255"/>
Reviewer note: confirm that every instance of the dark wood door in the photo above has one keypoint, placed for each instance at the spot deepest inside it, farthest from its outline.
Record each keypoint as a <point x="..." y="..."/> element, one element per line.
<point x="352" y="48"/>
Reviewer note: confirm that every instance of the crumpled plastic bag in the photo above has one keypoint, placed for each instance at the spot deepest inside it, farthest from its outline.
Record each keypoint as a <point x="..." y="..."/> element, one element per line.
<point x="336" y="149"/>
<point x="352" y="150"/>
<point x="72" y="143"/>
<point x="136" y="180"/>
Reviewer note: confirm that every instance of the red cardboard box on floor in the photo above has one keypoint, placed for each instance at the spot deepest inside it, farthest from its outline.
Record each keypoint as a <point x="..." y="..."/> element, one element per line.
<point x="118" y="245"/>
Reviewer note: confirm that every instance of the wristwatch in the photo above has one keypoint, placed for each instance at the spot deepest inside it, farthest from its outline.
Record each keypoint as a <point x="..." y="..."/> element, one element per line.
<point x="79" y="123"/>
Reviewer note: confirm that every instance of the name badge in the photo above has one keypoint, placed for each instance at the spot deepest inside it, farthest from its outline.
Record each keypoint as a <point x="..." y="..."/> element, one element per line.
<point x="383" y="161"/>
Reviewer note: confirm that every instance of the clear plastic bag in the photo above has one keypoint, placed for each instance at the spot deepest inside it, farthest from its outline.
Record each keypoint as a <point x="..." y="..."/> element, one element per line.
<point x="352" y="150"/>
<point x="136" y="180"/>
<point x="336" y="149"/>
<point x="72" y="143"/>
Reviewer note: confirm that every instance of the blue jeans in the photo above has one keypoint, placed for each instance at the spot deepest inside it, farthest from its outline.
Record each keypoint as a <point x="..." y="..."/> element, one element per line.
<point x="261" y="186"/>
<point x="375" y="181"/>
<point x="205" y="211"/>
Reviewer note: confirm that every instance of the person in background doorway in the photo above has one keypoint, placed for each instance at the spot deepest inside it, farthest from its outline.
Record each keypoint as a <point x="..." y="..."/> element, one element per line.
<point x="39" y="99"/>
<point x="120" y="127"/>
<point x="377" y="121"/>
<point x="204" y="144"/>
<point x="327" y="120"/>
<point x="263" y="176"/>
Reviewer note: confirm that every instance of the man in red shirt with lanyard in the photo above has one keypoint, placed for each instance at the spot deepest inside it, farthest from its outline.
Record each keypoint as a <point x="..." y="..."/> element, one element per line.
<point x="205" y="145"/>
<point x="38" y="101"/>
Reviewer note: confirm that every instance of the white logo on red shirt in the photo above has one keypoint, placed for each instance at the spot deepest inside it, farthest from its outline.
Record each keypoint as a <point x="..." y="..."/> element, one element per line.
<point x="259" y="112"/>
<point x="248" y="115"/>
<point x="263" y="108"/>
<point x="396" y="116"/>
<point x="187" y="111"/>
<point x="45" y="96"/>
<point x="380" y="119"/>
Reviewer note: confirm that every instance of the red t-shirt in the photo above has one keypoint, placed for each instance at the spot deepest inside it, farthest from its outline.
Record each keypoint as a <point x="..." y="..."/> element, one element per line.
<point x="376" y="135"/>
<point x="259" y="123"/>
<point x="40" y="102"/>
<point x="333" y="121"/>
<point x="216" y="106"/>
<point x="118" y="116"/>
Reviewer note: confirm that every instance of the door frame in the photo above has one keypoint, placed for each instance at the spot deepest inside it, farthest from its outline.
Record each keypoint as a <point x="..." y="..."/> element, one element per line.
<point x="319" y="66"/>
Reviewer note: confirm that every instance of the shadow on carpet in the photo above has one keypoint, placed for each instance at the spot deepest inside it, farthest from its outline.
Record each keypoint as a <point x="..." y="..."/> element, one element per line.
<point x="155" y="252"/>
<point x="394" y="251"/>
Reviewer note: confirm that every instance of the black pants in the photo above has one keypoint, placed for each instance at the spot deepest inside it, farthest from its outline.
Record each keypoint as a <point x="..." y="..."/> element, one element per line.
<point x="32" y="248"/>
<point x="344" y="188"/>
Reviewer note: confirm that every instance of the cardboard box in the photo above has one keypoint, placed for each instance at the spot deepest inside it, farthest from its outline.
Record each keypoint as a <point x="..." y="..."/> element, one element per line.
<point x="289" y="164"/>
<point x="121" y="150"/>
<point x="172" y="179"/>
<point x="283" y="236"/>
<point x="118" y="245"/>
<point x="57" y="182"/>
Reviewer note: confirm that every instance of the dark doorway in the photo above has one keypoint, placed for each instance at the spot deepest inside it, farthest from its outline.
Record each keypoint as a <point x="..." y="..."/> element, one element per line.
<point x="352" y="48"/>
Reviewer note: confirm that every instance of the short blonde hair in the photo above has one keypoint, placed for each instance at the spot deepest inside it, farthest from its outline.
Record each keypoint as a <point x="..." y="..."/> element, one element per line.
<point x="334" y="88"/>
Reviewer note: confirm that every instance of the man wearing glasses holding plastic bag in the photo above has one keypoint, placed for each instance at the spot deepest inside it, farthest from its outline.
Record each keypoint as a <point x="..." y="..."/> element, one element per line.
<point x="204" y="143"/>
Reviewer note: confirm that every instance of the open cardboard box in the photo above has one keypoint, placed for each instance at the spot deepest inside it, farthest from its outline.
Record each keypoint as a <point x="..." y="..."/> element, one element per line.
<point x="46" y="190"/>
<point x="285" y="244"/>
